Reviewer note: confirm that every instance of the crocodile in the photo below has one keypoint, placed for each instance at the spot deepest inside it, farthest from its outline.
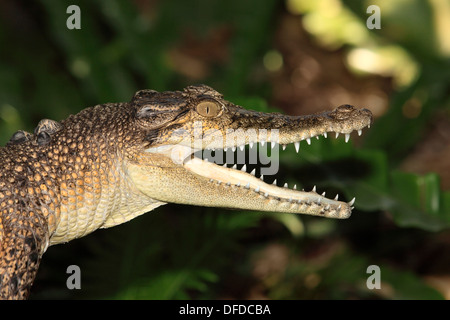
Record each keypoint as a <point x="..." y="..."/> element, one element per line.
<point x="113" y="162"/>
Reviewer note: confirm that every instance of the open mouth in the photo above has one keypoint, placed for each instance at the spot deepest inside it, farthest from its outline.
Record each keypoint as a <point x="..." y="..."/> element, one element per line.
<point x="228" y="175"/>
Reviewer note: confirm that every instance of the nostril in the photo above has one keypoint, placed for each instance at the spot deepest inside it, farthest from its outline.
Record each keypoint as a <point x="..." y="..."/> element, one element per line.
<point x="346" y="108"/>
<point x="343" y="112"/>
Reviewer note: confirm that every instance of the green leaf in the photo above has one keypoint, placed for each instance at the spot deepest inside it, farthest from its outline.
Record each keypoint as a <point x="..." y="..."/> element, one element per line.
<point x="419" y="201"/>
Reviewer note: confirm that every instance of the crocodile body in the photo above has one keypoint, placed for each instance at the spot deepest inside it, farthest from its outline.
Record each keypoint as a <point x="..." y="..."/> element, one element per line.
<point x="113" y="162"/>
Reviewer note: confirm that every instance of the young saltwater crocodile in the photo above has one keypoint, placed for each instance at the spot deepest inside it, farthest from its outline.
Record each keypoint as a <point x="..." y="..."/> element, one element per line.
<point x="113" y="162"/>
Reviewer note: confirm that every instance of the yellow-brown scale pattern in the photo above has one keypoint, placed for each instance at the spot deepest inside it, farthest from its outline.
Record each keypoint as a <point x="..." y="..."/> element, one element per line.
<point x="57" y="190"/>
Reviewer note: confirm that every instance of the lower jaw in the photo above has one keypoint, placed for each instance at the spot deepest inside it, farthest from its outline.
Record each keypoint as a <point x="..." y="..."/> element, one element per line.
<point x="287" y="200"/>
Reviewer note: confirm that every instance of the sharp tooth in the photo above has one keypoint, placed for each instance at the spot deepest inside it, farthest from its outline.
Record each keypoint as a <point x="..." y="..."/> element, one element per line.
<point x="297" y="146"/>
<point x="285" y="185"/>
<point x="251" y="144"/>
<point x="262" y="177"/>
<point x="347" y="137"/>
<point x="295" y="187"/>
<point x="228" y="184"/>
<point x="317" y="137"/>
<point x="359" y="132"/>
<point x="224" y="165"/>
<point x="274" y="182"/>
<point x="266" y="194"/>
<point x="339" y="207"/>
<point x="314" y="189"/>
<point x="233" y="148"/>
<point x="225" y="149"/>
<point x="273" y="144"/>
<point x="318" y="201"/>
<point x="325" y="134"/>
<point x="337" y="134"/>
<point x="244" y="168"/>
<point x="308" y="140"/>
<point x="253" y="171"/>
<point x="323" y="194"/>
<point x="247" y="186"/>
<point x="211" y="180"/>
<point x="241" y="147"/>
<point x="336" y="198"/>
<point x="327" y="207"/>
<point x="234" y="167"/>
<point x="238" y="184"/>
<point x="262" y="143"/>
<point x="257" y="189"/>
<point x="283" y="146"/>
<point x="351" y="202"/>
<point x="219" y="182"/>
<point x="368" y="126"/>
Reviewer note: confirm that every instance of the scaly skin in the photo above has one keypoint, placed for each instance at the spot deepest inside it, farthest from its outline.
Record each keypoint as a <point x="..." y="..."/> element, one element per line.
<point x="113" y="162"/>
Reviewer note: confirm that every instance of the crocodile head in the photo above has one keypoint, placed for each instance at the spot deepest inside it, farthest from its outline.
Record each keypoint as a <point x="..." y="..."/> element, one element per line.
<point x="182" y="126"/>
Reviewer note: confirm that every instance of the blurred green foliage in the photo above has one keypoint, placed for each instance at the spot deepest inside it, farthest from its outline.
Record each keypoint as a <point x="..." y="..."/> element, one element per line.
<point x="180" y="252"/>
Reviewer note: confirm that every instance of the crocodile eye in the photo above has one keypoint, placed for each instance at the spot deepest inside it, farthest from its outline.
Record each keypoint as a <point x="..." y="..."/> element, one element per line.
<point x="208" y="109"/>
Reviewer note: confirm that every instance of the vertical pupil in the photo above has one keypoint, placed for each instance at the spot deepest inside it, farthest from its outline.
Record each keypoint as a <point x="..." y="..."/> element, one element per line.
<point x="208" y="109"/>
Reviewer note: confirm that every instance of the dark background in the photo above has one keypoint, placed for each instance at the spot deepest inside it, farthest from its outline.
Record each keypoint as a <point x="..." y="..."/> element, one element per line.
<point x="294" y="56"/>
